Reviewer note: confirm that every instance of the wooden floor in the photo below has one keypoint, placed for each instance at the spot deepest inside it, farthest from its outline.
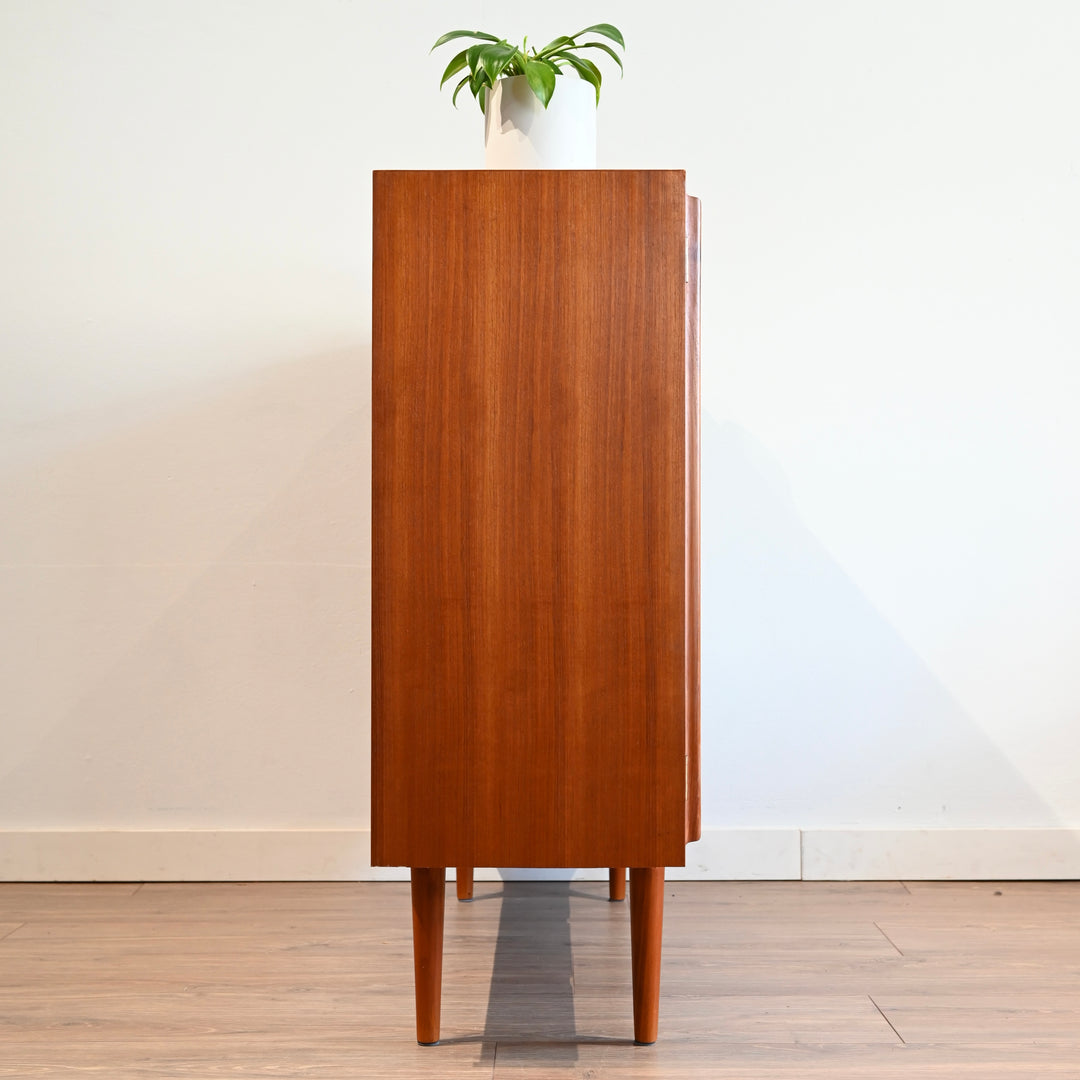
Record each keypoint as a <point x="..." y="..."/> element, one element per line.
<point x="789" y="980"/>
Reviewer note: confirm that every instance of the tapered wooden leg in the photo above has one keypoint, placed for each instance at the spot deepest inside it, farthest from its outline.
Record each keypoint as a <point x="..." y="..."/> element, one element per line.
<point x="646" y="930"/>
<point x="428" y="897"/>
<point x="464" y="882"/>
<point x="617" y="883"/>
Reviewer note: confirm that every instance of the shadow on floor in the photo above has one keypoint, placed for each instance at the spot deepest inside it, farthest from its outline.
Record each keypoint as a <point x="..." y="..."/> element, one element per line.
<point x="531" y="996"/>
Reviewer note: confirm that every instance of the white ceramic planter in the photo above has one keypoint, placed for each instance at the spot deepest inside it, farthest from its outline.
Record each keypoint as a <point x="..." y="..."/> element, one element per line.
<point x="519" y="133"/>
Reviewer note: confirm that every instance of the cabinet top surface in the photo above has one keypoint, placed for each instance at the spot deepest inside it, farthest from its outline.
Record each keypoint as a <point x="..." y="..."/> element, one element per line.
<point x="681" y="173"/>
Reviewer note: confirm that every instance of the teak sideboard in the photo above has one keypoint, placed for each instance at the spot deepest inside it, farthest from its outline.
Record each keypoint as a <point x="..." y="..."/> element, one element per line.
<point x="535" y="596"/>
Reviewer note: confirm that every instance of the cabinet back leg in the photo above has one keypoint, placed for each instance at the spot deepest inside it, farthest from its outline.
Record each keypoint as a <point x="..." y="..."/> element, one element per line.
<point x="428" y="901"/>
<point x="646" y="932"/>
<point x="464" y="882"/>
<point x="617" y="883"/>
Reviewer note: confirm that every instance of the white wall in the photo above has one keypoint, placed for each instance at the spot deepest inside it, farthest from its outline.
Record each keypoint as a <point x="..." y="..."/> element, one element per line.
<point x="891" y="195"/>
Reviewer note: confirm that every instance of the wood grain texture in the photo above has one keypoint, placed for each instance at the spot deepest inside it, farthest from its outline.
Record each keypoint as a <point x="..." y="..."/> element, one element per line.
<point x="428" y="887"/>
<point x="646" y="936"/>
<point x="531" y="503"/>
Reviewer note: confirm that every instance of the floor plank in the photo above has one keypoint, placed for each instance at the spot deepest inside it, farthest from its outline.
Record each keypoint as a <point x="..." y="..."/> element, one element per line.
<point x="760" y="981"/>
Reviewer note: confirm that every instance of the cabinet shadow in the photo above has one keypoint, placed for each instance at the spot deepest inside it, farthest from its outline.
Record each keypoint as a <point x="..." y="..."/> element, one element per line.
<point x="530" y="1016"/>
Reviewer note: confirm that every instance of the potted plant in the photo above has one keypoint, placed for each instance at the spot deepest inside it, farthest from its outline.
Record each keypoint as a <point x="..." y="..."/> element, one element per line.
<point x="526" y="124"/>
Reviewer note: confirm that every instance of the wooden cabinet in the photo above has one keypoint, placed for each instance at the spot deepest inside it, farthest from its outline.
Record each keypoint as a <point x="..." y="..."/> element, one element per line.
<point x="535" y="668"/>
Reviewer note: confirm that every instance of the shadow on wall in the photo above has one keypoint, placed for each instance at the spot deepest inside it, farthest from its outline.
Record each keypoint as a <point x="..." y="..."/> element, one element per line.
<point x="816" y="712"/>
<point x="186" y="640"/>
<point x="186" y="636"/>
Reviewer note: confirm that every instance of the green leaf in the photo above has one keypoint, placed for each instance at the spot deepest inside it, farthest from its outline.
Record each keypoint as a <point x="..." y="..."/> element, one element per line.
<point x="472" y="58"/>
<point x="462" y="33"/>
<point x="477" y="81"/>
<point x="454" y="67"/>
<point x="606" y="29"/>
<point x="550" y="63"/>
<point x="495" y="58"/>
<point x="453" y="100"/>
<point x="607" y="48"/>
<point x="517" y="64"/>
<point x="586" y="69"/>
<point x="552" y="45"/>
<point x="541" y="79"/>
<point x="591" y="67"/>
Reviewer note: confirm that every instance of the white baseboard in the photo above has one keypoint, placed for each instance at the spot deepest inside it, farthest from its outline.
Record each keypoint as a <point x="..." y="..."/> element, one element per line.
<point x="185" y="855"/>
<point x="721" y="855"/>
<point x="940" y="854"/>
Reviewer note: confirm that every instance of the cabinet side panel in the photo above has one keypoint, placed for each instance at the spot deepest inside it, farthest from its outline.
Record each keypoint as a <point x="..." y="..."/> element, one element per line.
<point x="693" y="519"/>
<point x="529" y="519"/>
